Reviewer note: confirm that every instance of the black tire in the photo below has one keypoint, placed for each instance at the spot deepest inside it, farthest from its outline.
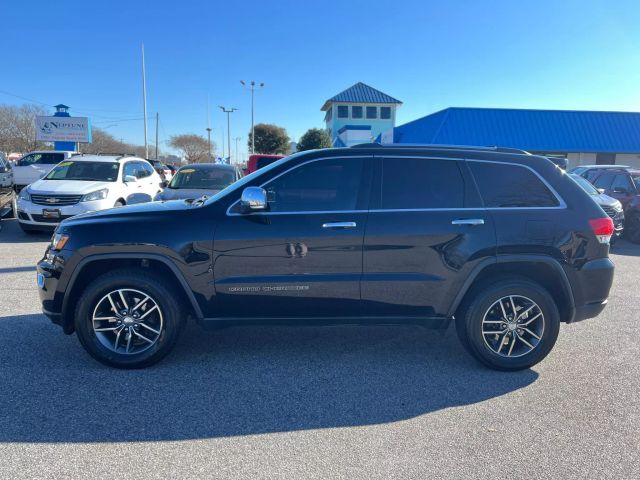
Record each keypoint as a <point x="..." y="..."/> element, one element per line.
<point x="632" y="228"/>
<point x="31" y="230"/>
<point x="169" y="305"/>
<point x="469" y="323"/>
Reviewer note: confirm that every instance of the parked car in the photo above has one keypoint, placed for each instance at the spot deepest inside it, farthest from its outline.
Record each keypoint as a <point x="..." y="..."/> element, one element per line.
<point x="504" y="245"/>
<point x="610" y="205"/>
<point x="173" y="168"/>
<point x="85" y="183"/>
<point x="161" y="169"/>
<point x="35" y="165"/>
<point x="6" y="186"/>
<point x="622" y="183"/>
<point x="258" y="161"/>
<point x="194" y="181"/>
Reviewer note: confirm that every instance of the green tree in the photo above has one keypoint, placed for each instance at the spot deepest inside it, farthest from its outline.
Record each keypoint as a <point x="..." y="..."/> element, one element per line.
<point x="270" y="139"/>
<point x="314" y="138"/>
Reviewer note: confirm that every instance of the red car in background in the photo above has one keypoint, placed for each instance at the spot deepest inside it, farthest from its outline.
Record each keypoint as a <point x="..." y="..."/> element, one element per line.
<point x="258" y="161"/>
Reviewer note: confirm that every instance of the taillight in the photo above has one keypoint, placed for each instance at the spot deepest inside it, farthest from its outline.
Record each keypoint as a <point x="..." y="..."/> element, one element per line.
<point x="602" y="228"/>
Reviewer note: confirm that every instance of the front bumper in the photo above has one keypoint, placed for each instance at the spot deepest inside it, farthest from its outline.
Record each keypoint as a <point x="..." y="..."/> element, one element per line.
<point x="32" y="214"/>
<point x="49" y="272"/>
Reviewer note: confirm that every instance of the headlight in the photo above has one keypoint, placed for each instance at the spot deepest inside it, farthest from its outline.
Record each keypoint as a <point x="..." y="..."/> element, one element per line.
<point x="97" y="195"/>
<point x="24" y="194"/>
<point x="59" y="240"/>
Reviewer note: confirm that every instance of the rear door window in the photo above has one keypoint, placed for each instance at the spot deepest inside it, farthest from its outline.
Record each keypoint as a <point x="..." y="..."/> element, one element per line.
<point x="421" y="183"/>
<point x="604" y="181"/>
<point x="505" y="185"/>
<point x="622" y="182"/>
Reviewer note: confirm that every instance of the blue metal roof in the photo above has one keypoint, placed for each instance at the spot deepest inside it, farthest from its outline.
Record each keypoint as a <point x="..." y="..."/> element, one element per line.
<point x="532" y="130"/>
<point x="361" y="93"/>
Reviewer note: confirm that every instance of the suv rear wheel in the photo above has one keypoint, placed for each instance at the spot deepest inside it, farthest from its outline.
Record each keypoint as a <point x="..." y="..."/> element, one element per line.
<point x="128" y="319"/>
<point x="511" y="325"/>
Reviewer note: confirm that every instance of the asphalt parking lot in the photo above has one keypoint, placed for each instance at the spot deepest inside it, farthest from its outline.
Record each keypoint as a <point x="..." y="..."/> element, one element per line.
<point x="344" y="402"/>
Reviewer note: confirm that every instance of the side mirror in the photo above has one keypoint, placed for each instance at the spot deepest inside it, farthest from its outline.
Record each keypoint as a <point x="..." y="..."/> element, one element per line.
<point x="254" y="199"/>
<point x="164" y="184"/>
<point x="601" y="190"/>
<point x="130" y="179"/>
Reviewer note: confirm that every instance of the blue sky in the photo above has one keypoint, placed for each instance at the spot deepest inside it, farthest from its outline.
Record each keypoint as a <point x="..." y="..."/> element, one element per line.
<point x="570" y="54"/>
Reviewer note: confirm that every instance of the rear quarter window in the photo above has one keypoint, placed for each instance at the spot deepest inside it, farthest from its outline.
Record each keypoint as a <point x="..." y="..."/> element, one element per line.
<point x="511" y="186"/>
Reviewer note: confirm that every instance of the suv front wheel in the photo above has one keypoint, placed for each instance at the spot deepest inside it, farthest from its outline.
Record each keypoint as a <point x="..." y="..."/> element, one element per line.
<point x="128" y="319"/>
<point x="510" y="325"/>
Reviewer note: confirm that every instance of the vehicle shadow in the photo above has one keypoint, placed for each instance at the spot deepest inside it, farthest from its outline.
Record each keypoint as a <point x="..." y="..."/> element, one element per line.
<point x="10" y="232"/>
<point x="624" y="247"/>
<point x="238" y="381"/>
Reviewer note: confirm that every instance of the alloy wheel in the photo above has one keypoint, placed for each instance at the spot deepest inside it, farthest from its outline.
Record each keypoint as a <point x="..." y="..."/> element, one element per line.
<point x="127" y="321"/>
<point x="513" y="326"/>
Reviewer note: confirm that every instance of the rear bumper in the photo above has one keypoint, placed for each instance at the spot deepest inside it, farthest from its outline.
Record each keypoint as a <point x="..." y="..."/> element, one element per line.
<point x="591" y="285"/>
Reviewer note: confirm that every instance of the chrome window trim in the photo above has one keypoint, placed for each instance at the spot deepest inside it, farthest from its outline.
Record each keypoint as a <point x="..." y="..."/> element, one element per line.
<point x="561" y="203"/>
<point x="310" y="212"/>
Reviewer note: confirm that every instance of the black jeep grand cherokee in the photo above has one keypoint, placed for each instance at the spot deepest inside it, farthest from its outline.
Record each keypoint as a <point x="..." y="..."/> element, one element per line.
<point x="502" y="242"/>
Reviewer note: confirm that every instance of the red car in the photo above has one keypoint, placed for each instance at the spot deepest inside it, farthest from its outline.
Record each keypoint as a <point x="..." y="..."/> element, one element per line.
<point x="258" y="161"/>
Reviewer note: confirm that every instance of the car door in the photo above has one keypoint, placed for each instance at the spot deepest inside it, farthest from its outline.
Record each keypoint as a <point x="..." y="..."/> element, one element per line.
<point x="150" y="182"/>
<point x="622" y="188"/>
<point x="303" y="257"/>
<point x="132" y="190"/>
<point x="426" y="231"/>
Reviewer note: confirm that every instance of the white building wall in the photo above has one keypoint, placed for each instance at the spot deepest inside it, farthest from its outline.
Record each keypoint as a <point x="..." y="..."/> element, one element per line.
<point x="631" y="159"/>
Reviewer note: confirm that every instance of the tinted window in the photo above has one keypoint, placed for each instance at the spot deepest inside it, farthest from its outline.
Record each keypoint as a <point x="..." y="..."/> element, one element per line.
<point x="85" y="170"/>
<point x="604" y="181"/>
<point x="203" y="178"/>
<point x="130" y="169"/>
<point x="372" y="112"/>
<point x="622" y="182"/>
<point x="356" y="112"/>
<point x="421" y="183"/>
<point x="325" y="185"/>
<point x="385" y="113"/>
<point x="503" y="185"/>
<point x="343" y="111"/>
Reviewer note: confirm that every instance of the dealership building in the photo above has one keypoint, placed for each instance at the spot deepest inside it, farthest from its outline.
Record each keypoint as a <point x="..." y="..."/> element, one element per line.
<point x="583" y="137"/>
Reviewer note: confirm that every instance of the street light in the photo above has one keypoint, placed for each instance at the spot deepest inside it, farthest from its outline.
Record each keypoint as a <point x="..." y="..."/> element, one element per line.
<point x="209" y="129"/>
<point x="252" y="87"/>
<point x="228" y="111"/>
<point x="237" y="139"/>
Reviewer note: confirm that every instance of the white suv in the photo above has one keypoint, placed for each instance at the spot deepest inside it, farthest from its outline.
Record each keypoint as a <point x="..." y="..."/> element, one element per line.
<point x="86" y="183"/>
<point x="35" y="165"/>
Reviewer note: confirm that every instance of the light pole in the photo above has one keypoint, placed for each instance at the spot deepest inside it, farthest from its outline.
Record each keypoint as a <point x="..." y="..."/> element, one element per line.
<point x="228" y="111"/>
<point x="209" y="139"/>
<point x="237" y="139"/>
<point x="252" y="87"/>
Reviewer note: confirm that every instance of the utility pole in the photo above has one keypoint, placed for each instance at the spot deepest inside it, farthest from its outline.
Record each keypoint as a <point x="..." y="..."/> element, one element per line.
<point x="209" y="139"/>
<point x="237" y="139"/>
<point x="252" y="87"/>
<point x="144" y="103"/>
<point x="228" y="111"/>
<point x="157" y="121"/>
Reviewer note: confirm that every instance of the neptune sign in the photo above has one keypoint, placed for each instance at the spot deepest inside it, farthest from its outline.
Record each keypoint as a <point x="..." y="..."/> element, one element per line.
<point x="63" y="129"/>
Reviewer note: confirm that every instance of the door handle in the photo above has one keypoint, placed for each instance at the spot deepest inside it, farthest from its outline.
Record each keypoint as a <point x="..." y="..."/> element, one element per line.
<point x="339" y="225"/>
<point x="468" y="221"/>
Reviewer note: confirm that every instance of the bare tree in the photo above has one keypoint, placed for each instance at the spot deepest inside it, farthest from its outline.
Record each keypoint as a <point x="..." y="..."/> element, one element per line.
<point x="17" y="128"/>
<point x="195" y="148"/>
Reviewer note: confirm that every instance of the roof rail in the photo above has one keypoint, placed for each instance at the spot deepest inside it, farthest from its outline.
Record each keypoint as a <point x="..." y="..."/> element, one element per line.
<point x="442" y="147"/>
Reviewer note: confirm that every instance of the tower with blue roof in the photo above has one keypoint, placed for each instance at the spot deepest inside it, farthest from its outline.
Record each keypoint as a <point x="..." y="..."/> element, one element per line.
<point x="359" y="115"/>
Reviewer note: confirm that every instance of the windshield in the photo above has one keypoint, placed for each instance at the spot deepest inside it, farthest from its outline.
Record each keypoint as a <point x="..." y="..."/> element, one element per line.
<point x="252" y="176"/>
<point x="203" y="178"/>
<point x="636" y="179"/>
<point x="584" y="183"/>
<point x="85" y="170"/>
